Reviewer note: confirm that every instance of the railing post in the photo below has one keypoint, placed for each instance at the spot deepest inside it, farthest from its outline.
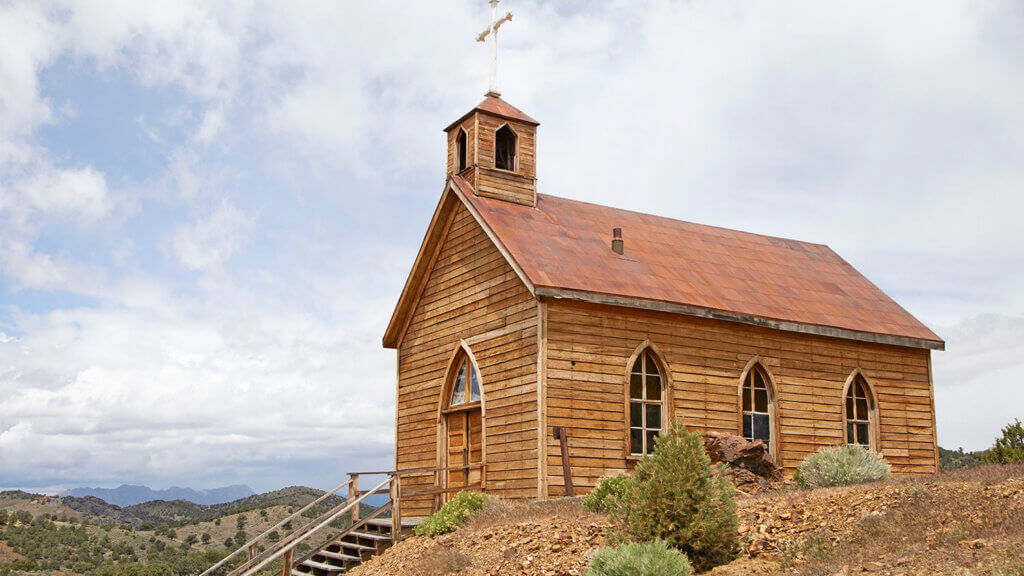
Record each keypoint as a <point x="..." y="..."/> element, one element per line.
<point x="396" y="508"/>
<point x="353" y="493"/>
<point x="250" y="553"/>
<point x="286" y="568"/>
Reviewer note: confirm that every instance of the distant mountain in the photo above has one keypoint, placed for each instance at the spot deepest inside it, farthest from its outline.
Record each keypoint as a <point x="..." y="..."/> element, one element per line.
<point x="182" y="512"/>
<point x="128" y="495"/>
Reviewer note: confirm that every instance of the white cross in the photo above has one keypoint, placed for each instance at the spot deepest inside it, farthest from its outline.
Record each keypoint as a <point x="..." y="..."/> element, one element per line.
<point x="492" y="30"/>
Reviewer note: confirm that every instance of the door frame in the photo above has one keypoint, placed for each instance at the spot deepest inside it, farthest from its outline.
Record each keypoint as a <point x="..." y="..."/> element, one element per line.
<point x="443" y="411"/>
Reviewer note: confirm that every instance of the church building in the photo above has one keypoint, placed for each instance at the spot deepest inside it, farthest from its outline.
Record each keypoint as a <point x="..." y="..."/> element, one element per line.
<point x="527" y="314"/>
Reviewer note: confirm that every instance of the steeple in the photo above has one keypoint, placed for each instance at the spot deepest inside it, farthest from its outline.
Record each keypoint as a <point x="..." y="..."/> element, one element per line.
<point x="493" y="147"/>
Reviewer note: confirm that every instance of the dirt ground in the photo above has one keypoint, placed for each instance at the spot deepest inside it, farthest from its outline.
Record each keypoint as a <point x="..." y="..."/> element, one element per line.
<point x="969" y="523"/>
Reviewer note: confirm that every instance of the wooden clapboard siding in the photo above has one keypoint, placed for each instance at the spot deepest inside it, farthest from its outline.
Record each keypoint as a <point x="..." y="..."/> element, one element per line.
<point x="471" y="294"/>
<point x="520" y="185"/>
<point x="588" y="347"/>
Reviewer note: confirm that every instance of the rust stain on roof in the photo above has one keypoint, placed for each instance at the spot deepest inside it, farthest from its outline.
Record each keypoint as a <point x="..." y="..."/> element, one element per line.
<point x="565" y="244"/>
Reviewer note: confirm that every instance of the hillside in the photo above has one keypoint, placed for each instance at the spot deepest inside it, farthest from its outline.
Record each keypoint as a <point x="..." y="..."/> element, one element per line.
<point x="73" y="536"/>
<point x="964" y="522"/>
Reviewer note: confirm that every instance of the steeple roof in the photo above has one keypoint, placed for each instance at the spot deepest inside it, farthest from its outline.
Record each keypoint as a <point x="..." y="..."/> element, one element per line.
<point x="494" y="105"/>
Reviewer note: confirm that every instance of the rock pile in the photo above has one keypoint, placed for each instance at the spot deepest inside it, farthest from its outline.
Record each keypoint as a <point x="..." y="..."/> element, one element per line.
<point x="752" y="467"/>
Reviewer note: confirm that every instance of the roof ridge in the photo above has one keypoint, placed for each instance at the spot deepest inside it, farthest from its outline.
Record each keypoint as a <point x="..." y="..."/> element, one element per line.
<point x="690" y="222"/>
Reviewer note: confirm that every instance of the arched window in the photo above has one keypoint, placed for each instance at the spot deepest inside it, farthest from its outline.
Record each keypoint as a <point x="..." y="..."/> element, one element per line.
<point x="461" y="149"/>
<point x="465" y="375"/>
<point x="505" y="148"/>
<point x="860" y="407"/>
<point x="646" y="412"/>
<point x="757" y="406"/>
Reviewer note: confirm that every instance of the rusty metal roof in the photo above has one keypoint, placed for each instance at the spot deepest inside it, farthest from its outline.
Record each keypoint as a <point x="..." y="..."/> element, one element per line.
<point x="563" y="247"/>
<point x="498" y="107"/>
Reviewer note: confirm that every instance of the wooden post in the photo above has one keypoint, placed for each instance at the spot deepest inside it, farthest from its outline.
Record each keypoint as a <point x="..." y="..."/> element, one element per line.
<point x="353" y="493"/>
<point x="250" y="554"/>
<point x="286" y="567"/>
<point x="396" y="508"/>
<point x="563" y="440"/>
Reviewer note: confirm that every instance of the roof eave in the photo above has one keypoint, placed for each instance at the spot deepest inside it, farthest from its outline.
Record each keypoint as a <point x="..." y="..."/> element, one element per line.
<point x="455" y="191"/>
<point x="399" y="317"/>
<point x="700" y="312"/>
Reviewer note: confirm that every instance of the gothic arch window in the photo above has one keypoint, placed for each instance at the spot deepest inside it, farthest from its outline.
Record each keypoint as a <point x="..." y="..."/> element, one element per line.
<point x="462" y="150"/>
<point x="505" y="148"/>
<point x="757" y="405"/>
<point x="465" y="383"/>
<point x="646" y="403"/>
<point x="859" y="413"/>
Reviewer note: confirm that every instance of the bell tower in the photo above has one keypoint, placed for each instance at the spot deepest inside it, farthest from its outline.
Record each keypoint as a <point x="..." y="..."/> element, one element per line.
<point x="493" y="147"/>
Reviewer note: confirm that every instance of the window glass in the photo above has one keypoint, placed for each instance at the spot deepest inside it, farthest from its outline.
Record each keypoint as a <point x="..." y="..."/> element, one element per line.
<point x="757" y="418"/>
<point x="654" y="416"/>
<point x="761" y="428"/>
<point x="636" y="410"/>
<point x="651" y="435"/>
<point x="636" y="441"/>
<point x="474" y="395"/>
<point x="636" y="386"/>
<point x="653" y="387"/>
<point x="645" y="408"/>
<point x="761" y="400"/>
<point x="459" y="389"/>
<point x="858" y="414"/>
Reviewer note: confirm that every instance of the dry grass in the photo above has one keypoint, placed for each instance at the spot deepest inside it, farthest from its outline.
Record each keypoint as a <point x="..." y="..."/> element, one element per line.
<point x="944" y="520"/>
<point x="498" y="512"/>
<point x="442" y="561"/>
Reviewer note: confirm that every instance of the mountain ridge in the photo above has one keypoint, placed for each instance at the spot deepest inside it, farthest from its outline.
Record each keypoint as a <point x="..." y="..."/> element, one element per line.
<point x="131" y="494"/>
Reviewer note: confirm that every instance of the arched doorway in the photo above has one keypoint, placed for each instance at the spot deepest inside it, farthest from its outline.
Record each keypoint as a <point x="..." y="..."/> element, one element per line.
<point x="462" y="430"/>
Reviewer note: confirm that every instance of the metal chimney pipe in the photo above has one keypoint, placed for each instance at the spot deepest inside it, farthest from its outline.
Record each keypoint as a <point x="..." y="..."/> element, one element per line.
<point x="617" y="245"/>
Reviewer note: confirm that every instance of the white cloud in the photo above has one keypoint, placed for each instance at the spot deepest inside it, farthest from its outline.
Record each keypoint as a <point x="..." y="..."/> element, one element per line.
<point x="208" y="243"/>
<point x="30" y="269"/>
<point x="81" y="192"/>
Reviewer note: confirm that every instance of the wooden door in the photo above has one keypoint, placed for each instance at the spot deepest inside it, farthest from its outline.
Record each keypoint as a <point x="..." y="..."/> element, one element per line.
<point x="464" y="448"/>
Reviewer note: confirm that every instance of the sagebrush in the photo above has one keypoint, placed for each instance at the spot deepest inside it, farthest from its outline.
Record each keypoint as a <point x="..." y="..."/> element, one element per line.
<point x="452" y="514"/>
<point x="607" y="489"/>
<point x="677" y="497"/>
<point x="841" y="466"/>
<point x="654" y="558"/>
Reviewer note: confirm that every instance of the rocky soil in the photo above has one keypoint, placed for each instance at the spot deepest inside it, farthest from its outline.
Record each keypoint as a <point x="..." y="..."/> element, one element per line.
<point x="969" y="522"/>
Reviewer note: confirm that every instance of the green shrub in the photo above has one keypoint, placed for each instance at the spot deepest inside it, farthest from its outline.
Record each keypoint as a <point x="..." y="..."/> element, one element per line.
<point x="1008" y="448"/>
<point x="609" y="488"/>
<point x="452" y="514"/>
<point x="639" y="559"/>
<point x="677" y="497"/>
<point x="841" y="466"/>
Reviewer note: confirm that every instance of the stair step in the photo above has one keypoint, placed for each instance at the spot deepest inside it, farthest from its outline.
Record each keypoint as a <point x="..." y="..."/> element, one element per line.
<point x="336" y="556"/>
<point x="353" y="545"/>
<point x="386" y="522"/>
<point x="370" y="536"/>
<point x="297" y="573"/>
<point x="322" y="566"/>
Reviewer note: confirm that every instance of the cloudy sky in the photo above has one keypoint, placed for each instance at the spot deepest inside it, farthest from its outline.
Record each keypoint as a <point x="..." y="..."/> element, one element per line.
<point x="208" y="210"/>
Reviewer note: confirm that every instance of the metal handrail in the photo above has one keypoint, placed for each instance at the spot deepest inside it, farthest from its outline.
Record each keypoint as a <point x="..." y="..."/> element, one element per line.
<point x="291" y="544"/>
<point x="257" y="539"/>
